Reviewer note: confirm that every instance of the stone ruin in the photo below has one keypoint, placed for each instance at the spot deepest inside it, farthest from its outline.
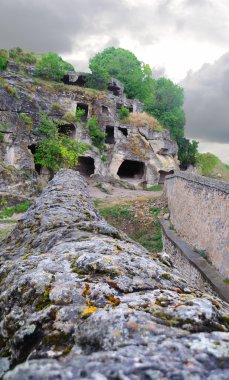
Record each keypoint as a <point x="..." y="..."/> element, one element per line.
<point x="80" y="300"/>
<point x="134" y="156"/>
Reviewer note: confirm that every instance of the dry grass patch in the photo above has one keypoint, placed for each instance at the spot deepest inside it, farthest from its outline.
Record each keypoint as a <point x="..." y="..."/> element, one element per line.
<point x="142" y="120"/>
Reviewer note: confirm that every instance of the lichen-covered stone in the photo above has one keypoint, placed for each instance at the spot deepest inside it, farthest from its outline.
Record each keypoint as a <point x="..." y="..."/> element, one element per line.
<point x="79" y="299"/>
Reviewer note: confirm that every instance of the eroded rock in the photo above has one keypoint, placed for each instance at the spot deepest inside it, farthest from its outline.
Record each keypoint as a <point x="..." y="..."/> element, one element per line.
<point x="79" y="299"/>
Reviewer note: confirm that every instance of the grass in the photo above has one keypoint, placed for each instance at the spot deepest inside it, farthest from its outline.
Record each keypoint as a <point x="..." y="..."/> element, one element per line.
<point x="226" y="281"/>
<point x="142" y="120"/>
<point x="123" y="217"/>
<point x="14" y="210"/>
<point x="154" y="188"/>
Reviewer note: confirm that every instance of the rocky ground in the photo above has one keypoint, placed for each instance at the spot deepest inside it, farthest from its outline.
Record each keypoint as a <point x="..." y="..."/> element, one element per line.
<point x="81" y="300"/>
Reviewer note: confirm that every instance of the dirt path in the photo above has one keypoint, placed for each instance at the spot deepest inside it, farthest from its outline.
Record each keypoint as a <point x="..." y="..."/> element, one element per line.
<point x="121" y="195"/>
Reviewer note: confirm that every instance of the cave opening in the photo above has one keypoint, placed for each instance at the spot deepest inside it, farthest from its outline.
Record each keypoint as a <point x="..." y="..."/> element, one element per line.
<point x="33" y="149"/>
<point x="123" y="130"/>
<point x="130" y="109"/>
<point x="68" y="130"/>
<point x="83" y="106"/>
<point x="131" y="169"/>
<point x="109" y="135"/>
<point x="105" y="110"/>
<point x="163" y="174"/>
<point x="86" y="166"/>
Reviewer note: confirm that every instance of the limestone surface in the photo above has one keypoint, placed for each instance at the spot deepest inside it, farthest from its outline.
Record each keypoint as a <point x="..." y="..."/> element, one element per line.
<point x="80" y="300"/>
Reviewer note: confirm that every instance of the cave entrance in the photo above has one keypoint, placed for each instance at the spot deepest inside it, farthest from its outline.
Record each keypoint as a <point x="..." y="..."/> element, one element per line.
<point x="105" y="110"/>
<point x="86" y="166"/>
<point x="163" y="174"/>
<point x="109" y="135"/>
<point x="123" y="130"/>
<point x="131" y="169"/>
<point x="68" y="130"/>
<point x="130" y="109"/>
<point x="33" y="148"/>
<point x="84" y="107"/>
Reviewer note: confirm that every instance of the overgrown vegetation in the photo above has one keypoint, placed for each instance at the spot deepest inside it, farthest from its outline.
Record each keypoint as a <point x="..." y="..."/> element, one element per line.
<point x="162" y="98"/>
<point x="3" y="59"/>
<point x="141" y="120"/>
<point x="56" y="150"/>
<point x="26" y="119"/>
<point x="97" y="136"/>
<point x="14" y="210"/>
<point x="21" y="57"/>
<point x="52" y="66"/>
<point x="146" y="234"/>
<point x="123" y="113"/>
<point x="210" y="165"/>
<point x="3" y="129"/>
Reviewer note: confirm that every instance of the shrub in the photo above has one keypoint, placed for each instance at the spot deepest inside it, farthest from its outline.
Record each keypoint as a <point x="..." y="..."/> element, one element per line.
<point x="123" y="113"/>
<point x="56" y="150"/>
<point x="97" y="136"/>
<point x="79" y="114"/>
<point x="3" y="59"/>
<point x="52" y="66"/>
<point x="11" y="90"/>
<point x="206" y="162"/>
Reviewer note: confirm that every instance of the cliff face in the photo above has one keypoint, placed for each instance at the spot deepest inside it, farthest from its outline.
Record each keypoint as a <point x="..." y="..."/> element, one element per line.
<point x="135" y="155"/>
<point x="80" y="300"/>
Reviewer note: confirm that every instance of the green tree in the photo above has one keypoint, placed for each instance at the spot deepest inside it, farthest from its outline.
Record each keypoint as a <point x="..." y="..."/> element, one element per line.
<point x="206" y="162"/>
<point x="187" y="152"/>
<point x="122" y="65"/>
<point x="52" y="66"/>
<point x="56" y="150"/>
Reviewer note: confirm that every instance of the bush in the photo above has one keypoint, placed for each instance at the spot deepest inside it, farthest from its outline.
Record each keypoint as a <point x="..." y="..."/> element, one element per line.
<point x="56" y="150"/>
<point x="123" y="113"/>
<point x="69" y="117"/>
<point x="52" y="66"/>
<point x="97" y="136"/>
<point x="3" y="60"/>
<point x="206" y="162"/>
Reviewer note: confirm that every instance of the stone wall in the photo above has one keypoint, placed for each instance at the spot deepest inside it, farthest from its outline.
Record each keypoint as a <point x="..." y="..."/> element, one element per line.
<point x="80" y="300"/>
<point x="199" y="209"/>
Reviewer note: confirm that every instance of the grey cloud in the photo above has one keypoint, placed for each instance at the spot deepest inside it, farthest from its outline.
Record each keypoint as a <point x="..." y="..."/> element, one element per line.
<point x="206" y="102"/>
<point x="67" y="25"/>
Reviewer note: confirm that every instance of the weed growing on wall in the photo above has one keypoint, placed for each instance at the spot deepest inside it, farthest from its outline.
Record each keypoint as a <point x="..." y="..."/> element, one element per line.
<point x="56" y="150"/>
<point x="97" y="136"/>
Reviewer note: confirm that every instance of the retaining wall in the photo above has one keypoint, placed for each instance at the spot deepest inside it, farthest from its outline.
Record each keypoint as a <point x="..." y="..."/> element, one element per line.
<point x="199" y="211"/>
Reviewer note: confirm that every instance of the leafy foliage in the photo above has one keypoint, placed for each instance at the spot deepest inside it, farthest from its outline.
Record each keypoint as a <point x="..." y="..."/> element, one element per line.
<point x="206" y="162"/>
<point x="56" y="150"/>
<point x="52" y="66"/>
<point x="123" y="113"/>
<point x="187" y="152"/>
<point x="3" y="63"/>
<point x="121" y="64"/>
<point x="97" y="136"/>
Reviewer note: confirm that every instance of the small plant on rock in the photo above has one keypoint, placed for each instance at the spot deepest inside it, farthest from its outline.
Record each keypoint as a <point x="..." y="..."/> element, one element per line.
<point x="97" y="136"/>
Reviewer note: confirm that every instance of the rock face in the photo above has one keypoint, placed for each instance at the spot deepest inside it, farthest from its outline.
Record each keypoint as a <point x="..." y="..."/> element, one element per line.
<point x="135" y="155"/>
<point x="80" y="300"/>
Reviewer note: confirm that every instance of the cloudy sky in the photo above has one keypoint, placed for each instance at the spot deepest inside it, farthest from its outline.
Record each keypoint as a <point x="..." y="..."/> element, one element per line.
<point x="185" y="40"/>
